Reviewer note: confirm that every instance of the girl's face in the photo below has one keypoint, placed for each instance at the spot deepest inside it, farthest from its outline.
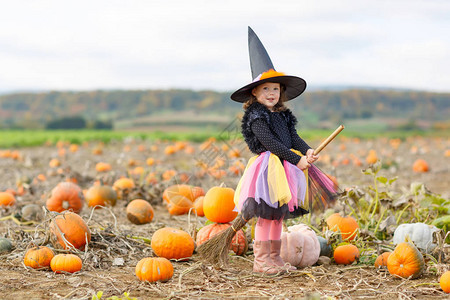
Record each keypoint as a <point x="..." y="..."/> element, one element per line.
<point x="268" y="94"/>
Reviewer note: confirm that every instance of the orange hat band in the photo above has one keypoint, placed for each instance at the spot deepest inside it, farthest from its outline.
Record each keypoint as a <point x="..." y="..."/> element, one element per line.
<point x="268" y="74"/>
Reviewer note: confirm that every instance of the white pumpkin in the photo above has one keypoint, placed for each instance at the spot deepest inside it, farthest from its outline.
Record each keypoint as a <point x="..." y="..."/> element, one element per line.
<point x="419" y="233"/>
<point x="300" y="246"/>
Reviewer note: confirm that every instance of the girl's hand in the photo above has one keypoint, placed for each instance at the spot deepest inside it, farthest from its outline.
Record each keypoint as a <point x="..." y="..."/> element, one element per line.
<point x="310" y="157"/>
<point x="303" y="163"/>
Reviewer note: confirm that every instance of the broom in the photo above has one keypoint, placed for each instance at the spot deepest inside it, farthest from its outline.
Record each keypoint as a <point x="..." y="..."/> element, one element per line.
<point x="215" y="250"/>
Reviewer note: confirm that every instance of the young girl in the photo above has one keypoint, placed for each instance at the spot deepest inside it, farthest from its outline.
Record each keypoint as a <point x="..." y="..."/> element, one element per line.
<point x="273" y="185"/>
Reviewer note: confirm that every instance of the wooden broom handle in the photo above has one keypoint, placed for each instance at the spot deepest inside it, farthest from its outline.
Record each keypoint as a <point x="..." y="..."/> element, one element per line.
<point x="328" y="140"/>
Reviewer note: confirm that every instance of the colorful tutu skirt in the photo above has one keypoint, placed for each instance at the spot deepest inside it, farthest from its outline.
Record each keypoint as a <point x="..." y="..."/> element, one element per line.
<point x="270" y="189"/>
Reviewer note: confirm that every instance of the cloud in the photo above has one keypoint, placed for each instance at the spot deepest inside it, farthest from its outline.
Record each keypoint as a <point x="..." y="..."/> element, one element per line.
<point x="203" y="44"/>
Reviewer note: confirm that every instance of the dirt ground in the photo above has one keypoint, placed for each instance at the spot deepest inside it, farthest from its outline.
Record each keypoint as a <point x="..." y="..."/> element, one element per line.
<point x="109" y="262"/>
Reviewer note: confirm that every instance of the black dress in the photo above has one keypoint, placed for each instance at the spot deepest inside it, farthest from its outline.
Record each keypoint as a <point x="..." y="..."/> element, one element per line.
<point x="263" y="131"/>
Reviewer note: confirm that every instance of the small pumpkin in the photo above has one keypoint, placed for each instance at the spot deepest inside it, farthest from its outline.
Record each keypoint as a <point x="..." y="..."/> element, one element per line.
<point x="103" y="195"/>
<point x="372" y="157"/>
<point x="5" y="245"/>
<point x="7" y="199"/>
<point x="66" y="196"/>
<point x="123" y="184"/>
<point x="238" y="244"/>
<point x="154" y="269"/>
<point x="179" y="205"/>
<point x="444" y="281"/>
<point x="420" y="166"/>
<point x="346" y="254"/>
<point x="172" y="243"/>
<point x="140" y="212"/>
<point x="32" y="212"/>
<point x="419" y="233"/>
<point x="300" y="246"/>
<point x="325" y="247"/>
<point x="218" y="205"/>
<point x="381" y="260"/>
<point x="347" y="226"/>
<point x="186" y="190"/>
<point x="198" y="205"/>
<point x="73" y="228"/>
<point x="38" y="257"/>
<point x="66" y="263"/>
<point x="406" y="261"/>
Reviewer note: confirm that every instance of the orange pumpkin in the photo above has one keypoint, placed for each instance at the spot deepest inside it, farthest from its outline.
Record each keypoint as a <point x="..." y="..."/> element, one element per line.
<point x="103" y="195"/>
<point x="75" y="231"/>
<point x="381" y="260"/>
<point x="444" y="281"/>
<point x="54" y="163"/>
<point x="66" y="196"/>
<point x="218" y="205"/>
<point x="103" y="167"/>
<point x="420" y="166"/>
<point x="346" y="254"/>
<point x="188" y="191"/>
<point x="372" y="157"/>
<point x="346" y="225"/>
<point x="123" y="184"/>
<point x="406" y="261"/>
<point x="168" y="174"/>
<point x="179" y="205"/>
<point x="7" y="199"/>
<point x="172" y="243"/>
<point x="238" y="243"/>
<point x="66" y="263"/>
<point x="140" y="212"/>
<point x="198" y="205"/>
<point x="38" y="257"/>
<point x="154" y="269"/>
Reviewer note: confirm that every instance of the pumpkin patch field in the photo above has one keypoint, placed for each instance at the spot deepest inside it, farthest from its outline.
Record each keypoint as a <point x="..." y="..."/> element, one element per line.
<point x="123" y="219"/>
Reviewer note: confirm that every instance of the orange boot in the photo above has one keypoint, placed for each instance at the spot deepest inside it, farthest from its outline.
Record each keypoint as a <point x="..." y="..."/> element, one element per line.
<point x="262" y="262"/>
<point x="275" y="247"/>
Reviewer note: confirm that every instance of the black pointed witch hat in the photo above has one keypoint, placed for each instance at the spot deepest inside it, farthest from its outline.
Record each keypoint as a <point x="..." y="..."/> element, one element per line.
<point x="263" y="71"/>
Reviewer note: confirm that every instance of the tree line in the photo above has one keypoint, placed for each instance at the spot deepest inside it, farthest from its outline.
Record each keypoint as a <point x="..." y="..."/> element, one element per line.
<point x="41" y="110"/>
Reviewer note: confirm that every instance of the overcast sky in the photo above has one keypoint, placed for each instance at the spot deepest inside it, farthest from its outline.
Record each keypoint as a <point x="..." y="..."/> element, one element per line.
<point x="202" y="44"/>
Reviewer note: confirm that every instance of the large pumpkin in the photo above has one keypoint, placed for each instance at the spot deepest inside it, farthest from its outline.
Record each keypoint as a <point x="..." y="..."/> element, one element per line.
<point x="218" y="205"/>
<point x="66" y="263"/>
<point x="406" y="261"/>
<point x="140" y="212"/>
<point x="419" y="233"/>
<point x="7" y="199"/>
<point x="347" y="226"/>
<point x="172" y="243"/>
<point x="154" y="269"/>
<point x="300" y="246"/>
<point x="38" y="257"/>
<point x="73" y="228"/>
<point x="239" y="243"/>
<point x="103" y="195"/>
<point x="66" y="196"/>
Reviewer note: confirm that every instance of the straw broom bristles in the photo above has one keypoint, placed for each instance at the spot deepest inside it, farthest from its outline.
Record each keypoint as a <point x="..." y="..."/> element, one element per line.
<point x="215" y="250"/>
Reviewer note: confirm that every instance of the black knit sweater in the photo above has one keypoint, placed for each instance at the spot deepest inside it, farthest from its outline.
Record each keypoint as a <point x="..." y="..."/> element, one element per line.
<point x="264" y="130"/>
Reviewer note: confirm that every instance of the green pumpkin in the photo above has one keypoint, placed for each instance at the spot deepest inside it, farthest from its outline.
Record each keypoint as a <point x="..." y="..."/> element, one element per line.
<point x="325" y="248"/>
<point x="5" y="245"/>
